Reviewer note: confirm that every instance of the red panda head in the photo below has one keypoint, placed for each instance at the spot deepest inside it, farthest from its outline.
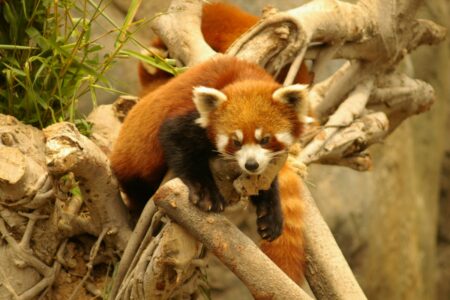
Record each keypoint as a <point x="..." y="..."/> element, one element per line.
<point x="252" y="121"/>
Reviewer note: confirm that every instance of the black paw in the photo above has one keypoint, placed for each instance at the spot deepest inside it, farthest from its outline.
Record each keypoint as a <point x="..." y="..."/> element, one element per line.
<point x="207" y="199"/>
<point x="269" y="222"/>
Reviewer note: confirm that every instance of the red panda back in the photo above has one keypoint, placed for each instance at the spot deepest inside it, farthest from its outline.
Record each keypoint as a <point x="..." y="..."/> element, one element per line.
<point x="223" y="23"/>
<point x="137" y="158"/>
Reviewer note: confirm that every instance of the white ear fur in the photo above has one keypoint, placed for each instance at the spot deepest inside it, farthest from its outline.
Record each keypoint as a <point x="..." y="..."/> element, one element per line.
<point x="294" y="95"/>
<point x="206" y="100"/>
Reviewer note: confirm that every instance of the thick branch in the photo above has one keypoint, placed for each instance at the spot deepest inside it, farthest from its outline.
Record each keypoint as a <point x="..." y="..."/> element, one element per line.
<point x="327" y="271"/>
<point x="237" y="251"/>
<point x="186" y="42"/>
<point x="400" y="97"/>
<point x="69" y="151"/>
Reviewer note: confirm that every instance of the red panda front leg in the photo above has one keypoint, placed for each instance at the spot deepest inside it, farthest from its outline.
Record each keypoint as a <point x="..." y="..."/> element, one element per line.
<point x="268" y="211"/>
<point x="187" y="151"/>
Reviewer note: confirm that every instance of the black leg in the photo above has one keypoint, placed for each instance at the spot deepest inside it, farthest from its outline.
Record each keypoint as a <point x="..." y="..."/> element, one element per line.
<point x="187" y="151"/>
<point x="268" y="211"/>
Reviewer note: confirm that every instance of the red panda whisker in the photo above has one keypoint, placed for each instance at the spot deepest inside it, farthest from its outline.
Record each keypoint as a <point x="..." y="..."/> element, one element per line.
<point x="277" y="153"/>
<point x="227" y="156"/>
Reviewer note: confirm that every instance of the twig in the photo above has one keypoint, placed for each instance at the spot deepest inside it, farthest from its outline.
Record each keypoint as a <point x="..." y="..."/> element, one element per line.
<point x="351" y="108"/>
<point x="7" y="284"/>
<point x="294" y="68"/>
<point x="329" y="93"/>
<point x="131" y="250"/>
<point x="32" y="219"/>
<point x="21" y="253"/>
<point x="90" y="264"/>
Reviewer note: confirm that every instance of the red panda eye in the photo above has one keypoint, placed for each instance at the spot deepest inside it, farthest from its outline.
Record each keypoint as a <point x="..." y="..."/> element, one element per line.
<point x="237" y="143"/>
<point x="265" y="140"/>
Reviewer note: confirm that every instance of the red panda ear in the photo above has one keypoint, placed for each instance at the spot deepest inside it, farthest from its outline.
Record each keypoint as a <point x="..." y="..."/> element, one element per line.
<point x="293" y="95"/>
<point x="206" y="100"/>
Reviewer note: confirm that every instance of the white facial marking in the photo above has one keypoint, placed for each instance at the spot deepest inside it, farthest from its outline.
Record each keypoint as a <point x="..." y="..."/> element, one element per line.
<point x="202" y="121"/>
<point x="239" y="135"/>
<point x="308" y="120"/>
<point x="285" y="137"/>
<point x="258" y="134"/>
<point x="221" y="142"/>
<point x="256" y="153"/>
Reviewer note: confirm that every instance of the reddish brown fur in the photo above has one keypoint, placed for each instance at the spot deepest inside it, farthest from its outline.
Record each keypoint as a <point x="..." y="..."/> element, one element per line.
<point x="133" y="157"/>
<point x="287" y="251"/>
<point x="137" y="152"/>
<point x="223" y="23"/>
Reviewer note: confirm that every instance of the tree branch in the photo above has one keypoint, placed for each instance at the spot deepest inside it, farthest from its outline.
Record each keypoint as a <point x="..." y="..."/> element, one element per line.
<point x="69" y="151"/>
<point x="229" y="244"/>
<point x="327" y="271"/>
<point x="187" y="43"/>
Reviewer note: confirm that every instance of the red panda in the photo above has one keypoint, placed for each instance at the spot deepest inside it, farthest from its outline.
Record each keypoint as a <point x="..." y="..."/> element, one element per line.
<point x="224" y="106"/>
<point x="222" y="24"/>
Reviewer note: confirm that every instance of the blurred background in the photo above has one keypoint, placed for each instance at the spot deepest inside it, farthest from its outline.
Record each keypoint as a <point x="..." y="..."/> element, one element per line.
<point x="393" y="222"/>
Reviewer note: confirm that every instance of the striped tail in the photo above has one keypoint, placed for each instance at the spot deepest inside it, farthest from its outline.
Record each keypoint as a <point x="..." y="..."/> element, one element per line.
<point x="287" y="251"/>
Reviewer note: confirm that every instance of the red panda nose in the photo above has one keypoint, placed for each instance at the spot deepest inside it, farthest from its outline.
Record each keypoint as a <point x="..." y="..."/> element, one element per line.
<point x="251" y="165"/>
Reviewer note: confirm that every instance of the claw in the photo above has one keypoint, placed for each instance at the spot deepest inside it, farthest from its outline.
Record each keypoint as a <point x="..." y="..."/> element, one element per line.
<point x="261" y="213"/>
<point x="263" y="227"/>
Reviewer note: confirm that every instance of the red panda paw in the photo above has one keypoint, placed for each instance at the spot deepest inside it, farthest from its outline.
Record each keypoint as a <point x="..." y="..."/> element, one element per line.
<point x="269" y="222"/>
<point x="205" y="197"/>
<point x="268" y="212"/>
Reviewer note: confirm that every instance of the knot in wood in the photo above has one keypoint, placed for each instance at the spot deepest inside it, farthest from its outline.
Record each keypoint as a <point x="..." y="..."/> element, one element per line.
<point x="7" y="139"/>
<point x="282" y="32"/>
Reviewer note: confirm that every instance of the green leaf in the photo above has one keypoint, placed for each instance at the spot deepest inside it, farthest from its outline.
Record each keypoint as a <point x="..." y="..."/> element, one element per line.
<point x="16" y="47"/>
<point x="151" y="60"/>
<point x="37" y="37"/>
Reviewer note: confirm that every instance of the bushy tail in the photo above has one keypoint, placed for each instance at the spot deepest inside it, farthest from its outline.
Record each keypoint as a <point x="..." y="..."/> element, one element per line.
<point x="287" y="251"/>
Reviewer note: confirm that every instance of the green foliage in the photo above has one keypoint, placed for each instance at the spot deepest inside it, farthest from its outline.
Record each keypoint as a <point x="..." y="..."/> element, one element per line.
<point x="48" y="58"/>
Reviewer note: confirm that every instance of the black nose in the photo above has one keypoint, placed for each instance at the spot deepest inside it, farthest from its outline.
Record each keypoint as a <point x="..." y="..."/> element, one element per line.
<point x="251" y="165"/>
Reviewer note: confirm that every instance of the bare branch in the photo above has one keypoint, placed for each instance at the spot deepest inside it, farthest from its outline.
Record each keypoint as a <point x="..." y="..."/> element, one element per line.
<point x="346" y="113"/>
<point x="131" y="250"/>
<point x="68" y="151"/>
<point x="401" y="97"/>
<point x="355" y="138"/>
<point x="230" y="245"/>
<point x="187" y="43"/>
<point x="327" y="271"/>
